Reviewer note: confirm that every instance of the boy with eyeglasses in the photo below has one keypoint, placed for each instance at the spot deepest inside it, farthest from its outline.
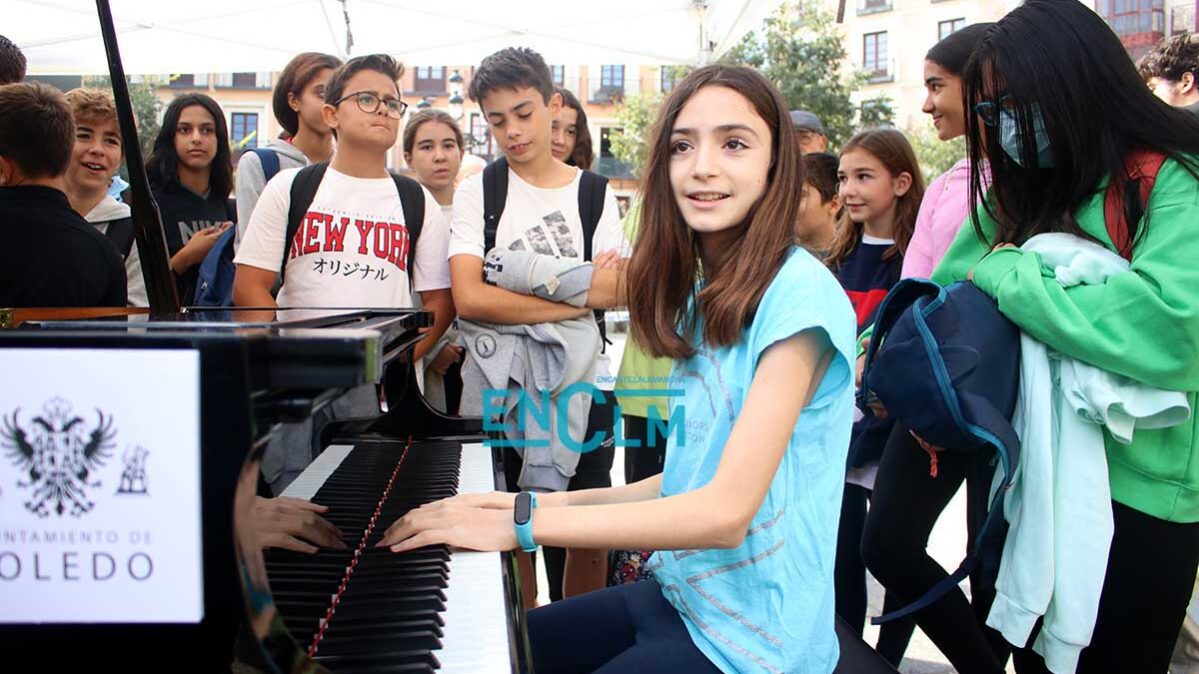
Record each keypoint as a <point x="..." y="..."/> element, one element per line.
<point x="353" y="245"/>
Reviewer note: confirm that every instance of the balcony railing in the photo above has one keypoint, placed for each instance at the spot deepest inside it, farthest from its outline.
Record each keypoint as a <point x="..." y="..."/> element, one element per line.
<point x="609" y="94"/>
<point x="611" y="167"/>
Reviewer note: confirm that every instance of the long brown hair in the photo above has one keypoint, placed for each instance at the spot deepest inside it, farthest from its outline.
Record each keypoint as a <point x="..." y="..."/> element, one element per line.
<point x="583" y="154"/>
<point x="895" y="153"/>
<point x="668" y="261"/>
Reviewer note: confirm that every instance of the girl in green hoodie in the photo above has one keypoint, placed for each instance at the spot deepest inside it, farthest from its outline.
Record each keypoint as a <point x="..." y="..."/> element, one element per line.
<point x="1059" y="108"/>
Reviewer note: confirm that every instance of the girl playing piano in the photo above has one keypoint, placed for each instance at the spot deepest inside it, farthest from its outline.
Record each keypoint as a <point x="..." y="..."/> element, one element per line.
<point x="745" y="514"/>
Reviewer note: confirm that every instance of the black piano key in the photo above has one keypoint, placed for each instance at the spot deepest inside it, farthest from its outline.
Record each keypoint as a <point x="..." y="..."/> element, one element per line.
<point x="394" y="658"/>
<point x="404" y="639"/>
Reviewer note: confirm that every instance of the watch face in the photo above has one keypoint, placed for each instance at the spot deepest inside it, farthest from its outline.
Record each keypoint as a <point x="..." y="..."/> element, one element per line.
<point x="523" y="507"/>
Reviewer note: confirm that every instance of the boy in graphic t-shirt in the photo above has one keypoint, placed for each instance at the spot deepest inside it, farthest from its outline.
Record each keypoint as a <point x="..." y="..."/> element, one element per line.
<point x="351" y="248"/>
<point x="541" y="214"/>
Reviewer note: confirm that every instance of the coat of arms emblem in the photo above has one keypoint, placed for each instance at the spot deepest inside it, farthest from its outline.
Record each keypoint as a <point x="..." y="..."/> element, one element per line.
<point x="59" y="454"/>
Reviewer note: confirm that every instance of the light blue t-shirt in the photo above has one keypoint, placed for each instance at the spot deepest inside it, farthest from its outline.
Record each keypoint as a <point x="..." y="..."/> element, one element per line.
<point x="767" y="605"/>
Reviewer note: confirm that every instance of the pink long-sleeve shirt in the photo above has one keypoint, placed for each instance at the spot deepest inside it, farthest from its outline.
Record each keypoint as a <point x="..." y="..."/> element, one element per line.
<point x="942" y="213"/>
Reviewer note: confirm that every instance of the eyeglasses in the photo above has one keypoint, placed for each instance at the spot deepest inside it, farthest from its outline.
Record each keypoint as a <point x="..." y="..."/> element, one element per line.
<point x="989" y="111"/>
<point x="368" y="102"/>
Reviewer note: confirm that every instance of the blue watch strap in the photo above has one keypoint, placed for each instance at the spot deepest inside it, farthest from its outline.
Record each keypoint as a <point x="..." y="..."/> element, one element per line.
<point x="524" y="530"/>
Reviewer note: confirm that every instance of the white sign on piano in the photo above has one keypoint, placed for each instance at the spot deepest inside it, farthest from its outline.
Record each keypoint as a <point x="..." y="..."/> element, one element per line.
<point x="100" y="486"/>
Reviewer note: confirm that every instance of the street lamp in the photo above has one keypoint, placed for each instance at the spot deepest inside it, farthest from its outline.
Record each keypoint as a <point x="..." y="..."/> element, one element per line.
<point x="456" y="78"/>
<point x="424" y="104"/>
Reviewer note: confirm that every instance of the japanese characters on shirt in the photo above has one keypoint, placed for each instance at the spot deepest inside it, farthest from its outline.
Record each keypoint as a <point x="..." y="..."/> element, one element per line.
<point x="351" y="248"/>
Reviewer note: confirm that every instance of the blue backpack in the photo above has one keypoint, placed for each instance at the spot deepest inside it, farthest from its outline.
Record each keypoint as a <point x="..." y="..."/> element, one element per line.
<point x="214" y="287"/>
<point x="946" y="364"/>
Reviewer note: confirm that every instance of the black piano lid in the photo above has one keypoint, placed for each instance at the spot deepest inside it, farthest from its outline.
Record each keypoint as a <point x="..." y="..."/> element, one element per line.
<point x="303" y="349"/>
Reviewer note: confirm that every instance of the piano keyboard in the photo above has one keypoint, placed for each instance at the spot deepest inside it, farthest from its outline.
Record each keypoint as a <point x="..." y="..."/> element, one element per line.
<point x="423" y="611"/>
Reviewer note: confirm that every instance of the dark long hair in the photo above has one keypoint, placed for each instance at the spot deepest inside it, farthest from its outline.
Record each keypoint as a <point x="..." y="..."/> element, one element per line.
<point x="583" y="154"/>
<point x="668" y="259"/>
<point x="163" y="167"/>
<point x="1062" y="58"/>
<point x="893" y="151"/>
<point x="953" y="52"/>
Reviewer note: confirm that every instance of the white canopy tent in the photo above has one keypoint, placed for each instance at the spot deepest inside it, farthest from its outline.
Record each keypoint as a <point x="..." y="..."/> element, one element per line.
<point x="168" y="36"/>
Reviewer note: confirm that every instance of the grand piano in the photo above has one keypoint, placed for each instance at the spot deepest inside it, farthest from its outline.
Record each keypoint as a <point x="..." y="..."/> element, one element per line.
<point x="354" y="610"/>
<point x="130" y="445"/>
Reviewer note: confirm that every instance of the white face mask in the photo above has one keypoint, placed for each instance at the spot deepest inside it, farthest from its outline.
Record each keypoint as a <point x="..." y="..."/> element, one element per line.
<point x="1009" y="138"/>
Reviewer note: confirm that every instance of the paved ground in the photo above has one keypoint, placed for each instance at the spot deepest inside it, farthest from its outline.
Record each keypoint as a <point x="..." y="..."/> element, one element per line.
<point x="947" y="545"/>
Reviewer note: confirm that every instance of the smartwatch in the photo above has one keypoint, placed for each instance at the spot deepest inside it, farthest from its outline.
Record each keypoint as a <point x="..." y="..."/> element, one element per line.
<point x="522" y="517"/>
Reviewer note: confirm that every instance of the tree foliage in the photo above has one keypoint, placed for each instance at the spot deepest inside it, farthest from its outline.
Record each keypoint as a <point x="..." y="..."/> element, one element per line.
<point x="935" y="155"/>
<point x="635" y="114"/>
<point x="800" y="49"/>
<point x="876" y="112"/>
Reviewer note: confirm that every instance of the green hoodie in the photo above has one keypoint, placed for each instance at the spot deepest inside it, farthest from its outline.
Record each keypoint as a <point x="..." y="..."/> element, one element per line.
<point x="1144" y="325"/>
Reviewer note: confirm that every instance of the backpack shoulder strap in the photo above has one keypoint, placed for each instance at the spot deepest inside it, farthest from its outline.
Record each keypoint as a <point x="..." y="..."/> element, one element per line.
<point x="120" y="232"/>
<point x="1123" y="207"/>
<point x="902" y="296"/>
<point x="412" y="200"/>
<point x="303" y="191"/>
<point x="592" y="189"/>
<point x="269" y="160"/>
<point x="495" y="196"/>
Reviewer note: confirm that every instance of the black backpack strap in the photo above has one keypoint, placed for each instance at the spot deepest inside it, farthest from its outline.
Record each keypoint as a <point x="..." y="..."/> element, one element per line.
<point x="303" y="191"/>
<point x="592" y="189"/>
<point x="120" y="233"/>
<point x="495" y="196"/>
<point x="412" y="199"/>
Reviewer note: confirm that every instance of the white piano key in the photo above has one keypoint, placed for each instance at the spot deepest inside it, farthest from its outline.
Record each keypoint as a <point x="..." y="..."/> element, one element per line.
<point x="476" y="627"/>
<point x="313" y="478"/>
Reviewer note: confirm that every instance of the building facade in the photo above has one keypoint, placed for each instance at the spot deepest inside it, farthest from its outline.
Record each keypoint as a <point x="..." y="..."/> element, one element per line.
<point x="889" y="38"/>
<point x="246" y="99"/>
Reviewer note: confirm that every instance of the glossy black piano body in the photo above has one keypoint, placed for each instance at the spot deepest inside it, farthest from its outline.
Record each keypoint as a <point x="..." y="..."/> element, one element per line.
<point x="254" y="374"/>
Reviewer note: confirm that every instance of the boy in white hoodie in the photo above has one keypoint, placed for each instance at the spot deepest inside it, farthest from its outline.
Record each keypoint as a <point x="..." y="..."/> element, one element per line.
<point x="94" y="161"/>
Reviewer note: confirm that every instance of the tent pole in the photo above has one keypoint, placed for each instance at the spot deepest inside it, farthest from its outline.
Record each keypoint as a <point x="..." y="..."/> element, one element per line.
<point x="147" y="221"/>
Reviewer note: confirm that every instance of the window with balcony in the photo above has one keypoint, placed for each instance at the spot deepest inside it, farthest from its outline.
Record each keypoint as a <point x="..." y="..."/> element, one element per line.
<point x="1182" y="19"/>
<point x="243" y="130"/>
<point x="670" y="76"/>
<point x="1133" y="17"/>
<point x="481" y="135"/>
<point x="874" y="56"/>
<point x="558" y="75"/>
<point x="184" y="81"/>
<point x="947" y="28"/>
<point x="429" y="80"/>
<point x="873" y="6"/>
<point x="607" y="164"/>
<point x="611" y="84"/>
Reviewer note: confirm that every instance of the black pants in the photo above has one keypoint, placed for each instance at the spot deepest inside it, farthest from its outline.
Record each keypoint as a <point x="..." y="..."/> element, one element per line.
<point x="1148" y="584"/>
<point x="629" y="628"/>
<point x="906" y="504"/>
<point x="850" y="580"/>
<point x="593" y="472"/>
<point x="649" y="456"/>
